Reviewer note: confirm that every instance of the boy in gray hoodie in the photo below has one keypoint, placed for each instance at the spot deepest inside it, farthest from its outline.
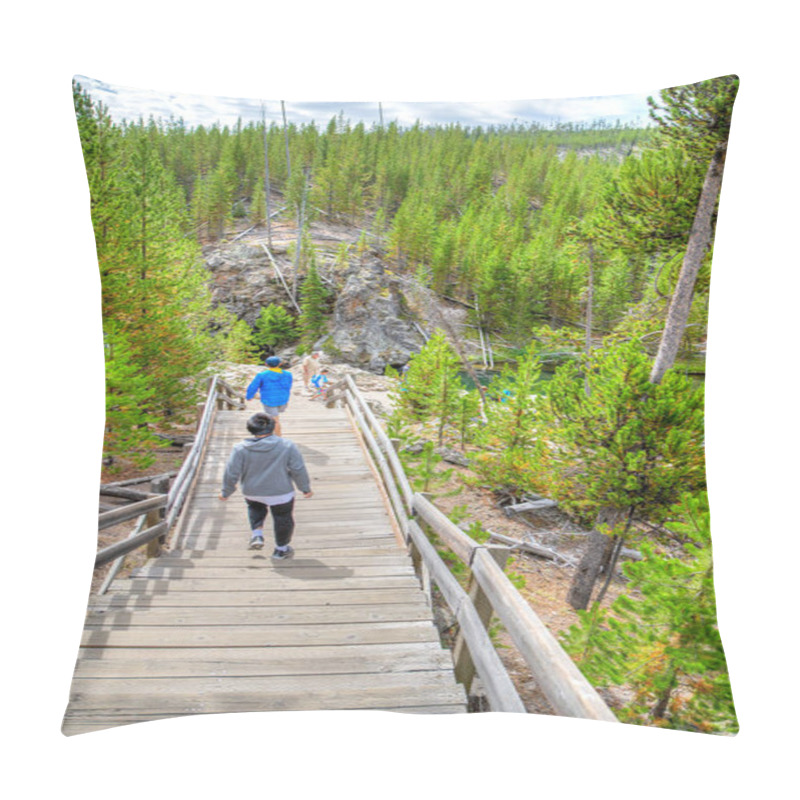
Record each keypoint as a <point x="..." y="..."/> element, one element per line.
<point x="268" y="467"/>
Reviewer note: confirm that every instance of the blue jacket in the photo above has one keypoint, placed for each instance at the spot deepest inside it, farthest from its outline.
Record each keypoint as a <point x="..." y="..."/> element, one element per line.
<point x="275" y="386"/>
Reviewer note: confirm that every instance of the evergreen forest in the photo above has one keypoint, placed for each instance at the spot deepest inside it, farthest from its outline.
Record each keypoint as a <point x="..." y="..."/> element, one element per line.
<point x="585" y="250"/>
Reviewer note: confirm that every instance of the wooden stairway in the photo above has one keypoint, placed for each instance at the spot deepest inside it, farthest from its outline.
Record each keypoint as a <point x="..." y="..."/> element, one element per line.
<point x="212" y="627"/>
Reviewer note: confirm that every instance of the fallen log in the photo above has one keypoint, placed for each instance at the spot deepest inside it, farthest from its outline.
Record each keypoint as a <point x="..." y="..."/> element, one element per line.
<point x="176" y="440"/>
<point x="280" y="276"/>
<point x="535" y="549"/>
<point x="529" y="505"/>
<point x="243" y="233"/>
<point x="546" y="552"/>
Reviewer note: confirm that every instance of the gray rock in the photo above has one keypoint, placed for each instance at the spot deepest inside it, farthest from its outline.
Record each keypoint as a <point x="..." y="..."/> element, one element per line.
<point x="452" y="456"/>
<point x="376" y="408"/>
<point x="414" y="449"/>
<point x="242" y="280"/>
<point x="215" y="261"/>
<point x="371" y="324"/>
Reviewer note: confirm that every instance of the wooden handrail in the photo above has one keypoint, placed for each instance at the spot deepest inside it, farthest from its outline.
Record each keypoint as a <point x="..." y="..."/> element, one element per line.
<point x="172" y="502"/>
<point x="500" y="689"/>
<point x="388" y="448"/>
<point x="565" y="687"/>
<point x="397" y="504"/>
<point x="130" y="544"/>
<point x="458" y="541"/>
<point x="123" y="513"/>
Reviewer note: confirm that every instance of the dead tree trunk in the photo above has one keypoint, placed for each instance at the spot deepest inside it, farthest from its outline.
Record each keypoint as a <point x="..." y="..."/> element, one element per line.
<point x="699" y="241"/>
<point x="286" y="139"/>
<point x="267" y="204"/>
<point x="300" y="224"/>
<point x="598" y="555"/>
<point x="597" y="551"/>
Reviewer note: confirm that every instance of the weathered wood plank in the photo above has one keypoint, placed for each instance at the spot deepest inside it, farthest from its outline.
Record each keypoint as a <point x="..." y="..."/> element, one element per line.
<point x="302" y="615"/>
<point x="330" y="597"/>
<point x="276" y="583"/>
<point x="245" y="561"/>
<point x="324" y="548"/>
<point x="130" y="511"/>
<point x="97" y="722"/>
<point x="299" y="568"/>
<point x="271" y="581"/>
<point x="263" y="635"/>
<point x="268" y="693"/>
<point x="253" y="662"/>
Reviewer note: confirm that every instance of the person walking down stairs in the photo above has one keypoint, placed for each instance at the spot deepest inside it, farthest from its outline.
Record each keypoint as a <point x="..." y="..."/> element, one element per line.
<point x="274" y="385"/>
<point x="268" y="469"/>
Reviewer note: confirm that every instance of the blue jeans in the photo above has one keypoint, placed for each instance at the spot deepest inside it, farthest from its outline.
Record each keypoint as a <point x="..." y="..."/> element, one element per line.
<point x="282" y="519"/>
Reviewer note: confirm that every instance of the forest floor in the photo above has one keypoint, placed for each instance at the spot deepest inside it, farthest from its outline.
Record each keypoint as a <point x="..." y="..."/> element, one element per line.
<point x="543" y="582"/>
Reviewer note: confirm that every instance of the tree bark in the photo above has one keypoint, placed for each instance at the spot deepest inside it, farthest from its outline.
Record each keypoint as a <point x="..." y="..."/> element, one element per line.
<point x="610" y="566"/>
<point x="580" y="592"/>
<point x="286" y="139"/>
<point x="663" y="702"/>
<point x="266" y="177"/>
<point x="300" y="224"/>
<point x="598" y="554"/>
<point x="699" y="240"/>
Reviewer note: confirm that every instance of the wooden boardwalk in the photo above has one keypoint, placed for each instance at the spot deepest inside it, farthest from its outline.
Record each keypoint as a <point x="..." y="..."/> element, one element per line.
<point x="212" y="627"/>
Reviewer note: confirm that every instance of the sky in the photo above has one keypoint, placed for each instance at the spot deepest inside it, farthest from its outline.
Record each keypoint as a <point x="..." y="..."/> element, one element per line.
<point x="132" y="103"/>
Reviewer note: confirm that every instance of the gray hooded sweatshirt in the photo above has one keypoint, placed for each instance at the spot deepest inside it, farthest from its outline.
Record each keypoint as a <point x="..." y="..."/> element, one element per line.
<point x="265" y="467"/>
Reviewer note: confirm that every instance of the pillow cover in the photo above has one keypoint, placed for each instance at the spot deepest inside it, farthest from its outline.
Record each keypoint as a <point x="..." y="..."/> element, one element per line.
<point x="520" y="290"/>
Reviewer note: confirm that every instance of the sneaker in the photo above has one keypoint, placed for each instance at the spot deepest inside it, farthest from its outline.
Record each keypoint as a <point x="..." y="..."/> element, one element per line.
<point x="256" y="543"/>
<point x="282" y="555"/>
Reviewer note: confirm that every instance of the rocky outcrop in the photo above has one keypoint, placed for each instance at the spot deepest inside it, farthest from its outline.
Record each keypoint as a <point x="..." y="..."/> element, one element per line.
<point x="243" y="279"/>
<point x="373" y="321"/>
<point x="372" y="325"/>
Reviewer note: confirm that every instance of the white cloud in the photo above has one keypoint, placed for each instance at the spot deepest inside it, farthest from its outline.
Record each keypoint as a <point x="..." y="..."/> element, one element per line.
<point x="132" y="103"/>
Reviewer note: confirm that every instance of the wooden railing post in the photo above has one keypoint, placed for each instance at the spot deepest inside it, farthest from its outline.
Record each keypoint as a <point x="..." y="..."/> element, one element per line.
<point x="421" y="570"/>
<point x="153" y="547"/>
<point x="201" y="407"/>
<point x="499" y="687"/>
<point x="464" y="666"/>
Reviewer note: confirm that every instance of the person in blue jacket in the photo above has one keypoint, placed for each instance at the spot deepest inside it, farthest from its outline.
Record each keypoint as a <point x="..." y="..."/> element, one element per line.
<point x="274" y="386"/>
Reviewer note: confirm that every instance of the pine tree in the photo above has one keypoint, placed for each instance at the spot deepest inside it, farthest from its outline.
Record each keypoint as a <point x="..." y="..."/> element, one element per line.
<point x="274" y="327"/>
<point x="625" y="448"/>
<point x="159" y="286"/>
<point x="431" y="390"/>
<point x="128" y="395"/>
<point x="258" y="206"/>
<point x="509" y="441"/>
<point x="219" y="202"/>
<point x="423" y="473"/>
<point x="313" y="307"/>
<point x="697" y="119"/>
<point x="156" y="304"/>
<point x="239" y="346"/>
<point x="660" y="638"/>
